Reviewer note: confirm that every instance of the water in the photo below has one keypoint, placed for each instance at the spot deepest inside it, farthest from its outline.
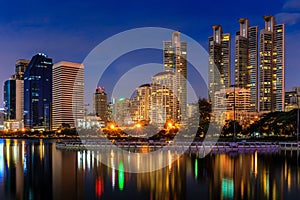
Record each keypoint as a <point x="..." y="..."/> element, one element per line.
<point x="35" y="169"/>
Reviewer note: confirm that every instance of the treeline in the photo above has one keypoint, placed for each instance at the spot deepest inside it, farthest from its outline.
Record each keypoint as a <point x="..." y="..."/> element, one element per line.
<point x="270" y="124"/>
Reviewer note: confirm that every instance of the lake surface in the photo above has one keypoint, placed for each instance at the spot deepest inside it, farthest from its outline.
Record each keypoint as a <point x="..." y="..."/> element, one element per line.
<point x="35" y="169"/>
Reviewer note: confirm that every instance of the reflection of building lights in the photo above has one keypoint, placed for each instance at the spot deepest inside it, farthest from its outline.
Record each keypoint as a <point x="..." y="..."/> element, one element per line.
<point x="83" y="160"/>
<point x="169" y="159"/>
<point x="289" y="180"/>
<point x="23" y="157"/>
<point x="255" y="163"/>
<point x="266" y="185"/>
<point x="227" y="188"/>
<point x="41" y="148"/>
<point x="99" y="187"/>
<point x="242" y="189"/>
<point x="79" y="160"/>
<point x="1" y="161"/>
<point x="113" y="178"/>
<point x="196" y="168"/>
<point x="88" y="158"/>
<point x="121" y="177"/>
<point x="274" y="189"/>
<point x="7" y="141"/>
<point x="15" y="154"/>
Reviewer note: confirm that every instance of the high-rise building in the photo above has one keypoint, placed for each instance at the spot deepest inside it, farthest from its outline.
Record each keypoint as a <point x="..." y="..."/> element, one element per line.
<point x="67" y="94"/>
<point x="219" y="61"/>
<point x="20" y="69"/>
<point x="38" y="93"/>
<point x="174" y="60"/>
<point x="164" y="104"/>
<point x="121" y="112"/>
<point x="272" y="66"/>
<point x="14" y="94"/>
<point x="140" y="104"/>
<point x="100" y="103"/>
<point x="13" y="100"/>
<point x="246" y="63"/>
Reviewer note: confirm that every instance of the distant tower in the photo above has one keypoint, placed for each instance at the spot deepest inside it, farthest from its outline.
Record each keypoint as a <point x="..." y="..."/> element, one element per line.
<point x="246" y="62"/>
<point x="38" y="92"/>
<point x="175" y="61"/>
<point x="67" y="94"/>
<point x="100" y="103"/>
<point x="20" y="69"/>
<point x="272" y="66"/>
<point x="219" y="61"/>
<point x="121" y="112"/>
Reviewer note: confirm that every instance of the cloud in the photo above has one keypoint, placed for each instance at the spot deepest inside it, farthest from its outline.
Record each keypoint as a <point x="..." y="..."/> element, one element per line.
<point x="292" y="5"/>
<point x="288" y="18"/>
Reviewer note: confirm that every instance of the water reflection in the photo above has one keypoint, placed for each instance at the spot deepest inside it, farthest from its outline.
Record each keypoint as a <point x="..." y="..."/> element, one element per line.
<point x="37" y="170"/>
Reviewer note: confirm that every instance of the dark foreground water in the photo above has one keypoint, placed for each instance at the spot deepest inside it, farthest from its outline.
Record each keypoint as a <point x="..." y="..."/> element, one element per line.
<point x="37" y="170"/>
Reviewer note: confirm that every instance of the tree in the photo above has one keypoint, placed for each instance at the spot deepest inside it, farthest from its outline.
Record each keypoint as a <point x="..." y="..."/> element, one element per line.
<point x="204" y="116"/>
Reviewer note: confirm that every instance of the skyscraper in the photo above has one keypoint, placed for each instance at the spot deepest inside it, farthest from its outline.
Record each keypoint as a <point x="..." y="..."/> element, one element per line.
<point x="100" y="103"/>
<point x="246" y="65"/>
<point x="14" y="94"/>
<point x="38" y="92"/>
<point x="164" y="104"/>
<point x="272" y="66"/>
<point x="219" y="61"/>
<point x="174" y="60"/>
<point x="67" y="94"/>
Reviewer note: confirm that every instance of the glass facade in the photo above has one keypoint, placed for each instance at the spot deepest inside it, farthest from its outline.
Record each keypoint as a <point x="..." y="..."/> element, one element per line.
<point x="38" y="93"/>
<point x="10" y="99"/>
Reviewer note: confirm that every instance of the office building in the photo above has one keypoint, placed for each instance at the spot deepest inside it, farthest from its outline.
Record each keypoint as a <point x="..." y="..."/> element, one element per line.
<point x="246" y="63"/>
<point x="272" y="66"/>
<point x="38" y="93"/>
<point x="14" y="97"/>
<point x="100" y="104"/>
<point x="219" y="61"/>
<point x="13" y="100"/>
<point x="175" y="61"/>
<point x="13" y="105"/>
<point x="67" y="94"/>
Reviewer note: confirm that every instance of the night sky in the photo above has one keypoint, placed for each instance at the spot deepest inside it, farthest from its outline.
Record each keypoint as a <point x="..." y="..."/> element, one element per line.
<point x="70" y="29"/>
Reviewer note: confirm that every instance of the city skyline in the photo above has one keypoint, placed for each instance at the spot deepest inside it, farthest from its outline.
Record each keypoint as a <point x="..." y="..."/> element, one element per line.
<point x="56" y="34"/>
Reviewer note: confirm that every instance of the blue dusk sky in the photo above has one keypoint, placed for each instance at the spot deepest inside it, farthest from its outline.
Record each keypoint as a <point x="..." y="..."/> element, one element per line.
<point x="69" y="30"/>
